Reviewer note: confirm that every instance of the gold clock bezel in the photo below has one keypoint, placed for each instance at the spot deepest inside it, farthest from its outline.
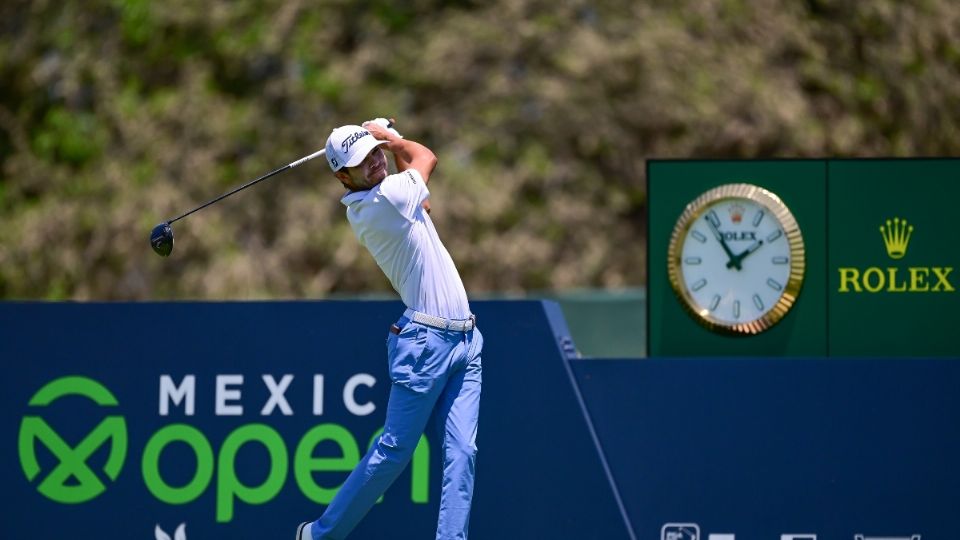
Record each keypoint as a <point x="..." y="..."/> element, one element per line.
<point x="791" y="230"/>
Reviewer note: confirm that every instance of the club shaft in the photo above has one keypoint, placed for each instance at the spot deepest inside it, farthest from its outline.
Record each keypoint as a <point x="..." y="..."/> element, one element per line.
<point x="250" y="183"/>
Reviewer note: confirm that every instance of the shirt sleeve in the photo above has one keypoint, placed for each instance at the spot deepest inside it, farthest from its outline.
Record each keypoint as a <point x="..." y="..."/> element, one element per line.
<point x="406" y="191"/>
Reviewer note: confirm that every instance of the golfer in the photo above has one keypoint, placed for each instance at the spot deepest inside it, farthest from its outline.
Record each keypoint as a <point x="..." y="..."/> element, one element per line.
<point x="433" y="350"/>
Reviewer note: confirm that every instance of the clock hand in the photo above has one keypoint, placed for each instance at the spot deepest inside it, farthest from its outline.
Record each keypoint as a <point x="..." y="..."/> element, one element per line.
<point x="739" y="258"/>
<point x="732" y="259"/>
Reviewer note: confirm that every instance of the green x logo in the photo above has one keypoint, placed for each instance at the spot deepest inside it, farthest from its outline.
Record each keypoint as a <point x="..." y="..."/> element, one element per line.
<point x="73" y="461"/>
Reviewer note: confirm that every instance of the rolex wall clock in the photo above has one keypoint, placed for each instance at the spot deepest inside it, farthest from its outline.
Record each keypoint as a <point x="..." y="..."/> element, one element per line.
<point x="736" y="259"/>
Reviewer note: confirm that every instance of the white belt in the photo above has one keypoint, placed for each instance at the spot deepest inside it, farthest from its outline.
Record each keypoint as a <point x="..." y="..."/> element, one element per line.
<point x="457" y="325"/>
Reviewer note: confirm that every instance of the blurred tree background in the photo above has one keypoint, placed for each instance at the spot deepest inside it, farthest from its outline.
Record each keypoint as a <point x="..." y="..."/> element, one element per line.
<point x="118" y="114"/>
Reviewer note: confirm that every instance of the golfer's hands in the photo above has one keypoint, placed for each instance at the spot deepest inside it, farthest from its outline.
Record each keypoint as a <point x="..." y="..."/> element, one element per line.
<point x="382" y="129"/>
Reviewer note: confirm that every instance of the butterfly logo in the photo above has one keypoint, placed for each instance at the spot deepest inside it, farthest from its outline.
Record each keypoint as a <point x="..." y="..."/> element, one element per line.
<point x="179" y="534"/>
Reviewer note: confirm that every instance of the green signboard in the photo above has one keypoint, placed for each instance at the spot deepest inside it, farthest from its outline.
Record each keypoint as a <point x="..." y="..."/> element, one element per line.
<point x="801" y="186"/>
<point x="893" y="257"/>
<point x="878" y="261"/>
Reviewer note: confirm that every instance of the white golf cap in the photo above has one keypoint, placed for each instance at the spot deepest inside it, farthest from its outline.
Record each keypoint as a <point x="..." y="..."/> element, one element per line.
<point x="348" y="145"/>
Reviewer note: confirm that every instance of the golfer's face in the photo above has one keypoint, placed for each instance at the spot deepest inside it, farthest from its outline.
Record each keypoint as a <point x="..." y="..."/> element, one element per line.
<point x="374" y="166"/>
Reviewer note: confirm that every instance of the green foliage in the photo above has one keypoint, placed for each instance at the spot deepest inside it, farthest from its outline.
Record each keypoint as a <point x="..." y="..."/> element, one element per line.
<point x="135" y="21"/>
<point x="71" y="138"/>
<point x="117" y="114"/>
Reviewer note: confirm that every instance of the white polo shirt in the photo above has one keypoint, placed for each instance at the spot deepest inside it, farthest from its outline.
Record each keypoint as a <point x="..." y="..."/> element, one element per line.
<point x="391" y="223"/>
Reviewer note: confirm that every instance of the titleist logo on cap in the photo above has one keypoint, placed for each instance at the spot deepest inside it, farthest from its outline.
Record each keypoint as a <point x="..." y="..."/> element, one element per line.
<point x="348" y="142"/>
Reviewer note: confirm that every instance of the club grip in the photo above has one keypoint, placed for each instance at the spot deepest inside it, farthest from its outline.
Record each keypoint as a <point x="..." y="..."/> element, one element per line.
<point x="307" y="158"/>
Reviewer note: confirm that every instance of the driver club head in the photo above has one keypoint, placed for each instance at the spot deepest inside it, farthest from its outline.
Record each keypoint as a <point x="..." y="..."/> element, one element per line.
<point x="161" y="239"/>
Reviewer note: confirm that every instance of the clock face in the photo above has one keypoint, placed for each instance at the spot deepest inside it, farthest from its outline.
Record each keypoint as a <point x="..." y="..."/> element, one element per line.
<point x="736" y="259"/>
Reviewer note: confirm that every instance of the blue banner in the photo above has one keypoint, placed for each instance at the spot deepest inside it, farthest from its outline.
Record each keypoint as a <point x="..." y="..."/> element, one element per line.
<point x="240" y="420"/>
<point x="781" y="449"/>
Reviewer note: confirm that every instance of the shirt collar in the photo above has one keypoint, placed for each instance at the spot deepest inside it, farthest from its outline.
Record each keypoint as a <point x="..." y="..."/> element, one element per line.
<point x="353" y="196"/>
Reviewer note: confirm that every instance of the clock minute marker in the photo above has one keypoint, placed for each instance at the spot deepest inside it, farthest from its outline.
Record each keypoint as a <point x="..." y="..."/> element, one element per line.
<point x="713" y="218"/>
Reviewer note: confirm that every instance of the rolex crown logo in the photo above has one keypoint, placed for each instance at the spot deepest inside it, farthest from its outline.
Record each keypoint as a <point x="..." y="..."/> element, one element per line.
<point x="896" y="236"/>
<point x="736" y="213"/>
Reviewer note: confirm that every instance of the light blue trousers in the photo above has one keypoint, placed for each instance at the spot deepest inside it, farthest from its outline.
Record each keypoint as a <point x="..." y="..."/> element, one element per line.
<point x="433" y="372"/>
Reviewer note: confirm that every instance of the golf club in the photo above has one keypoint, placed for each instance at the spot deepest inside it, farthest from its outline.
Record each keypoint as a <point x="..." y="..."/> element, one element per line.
<point x="161" y="237"/>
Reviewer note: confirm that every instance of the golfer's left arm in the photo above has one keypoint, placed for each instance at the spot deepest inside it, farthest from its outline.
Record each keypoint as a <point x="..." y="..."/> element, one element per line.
<point x="406" y="153"/>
